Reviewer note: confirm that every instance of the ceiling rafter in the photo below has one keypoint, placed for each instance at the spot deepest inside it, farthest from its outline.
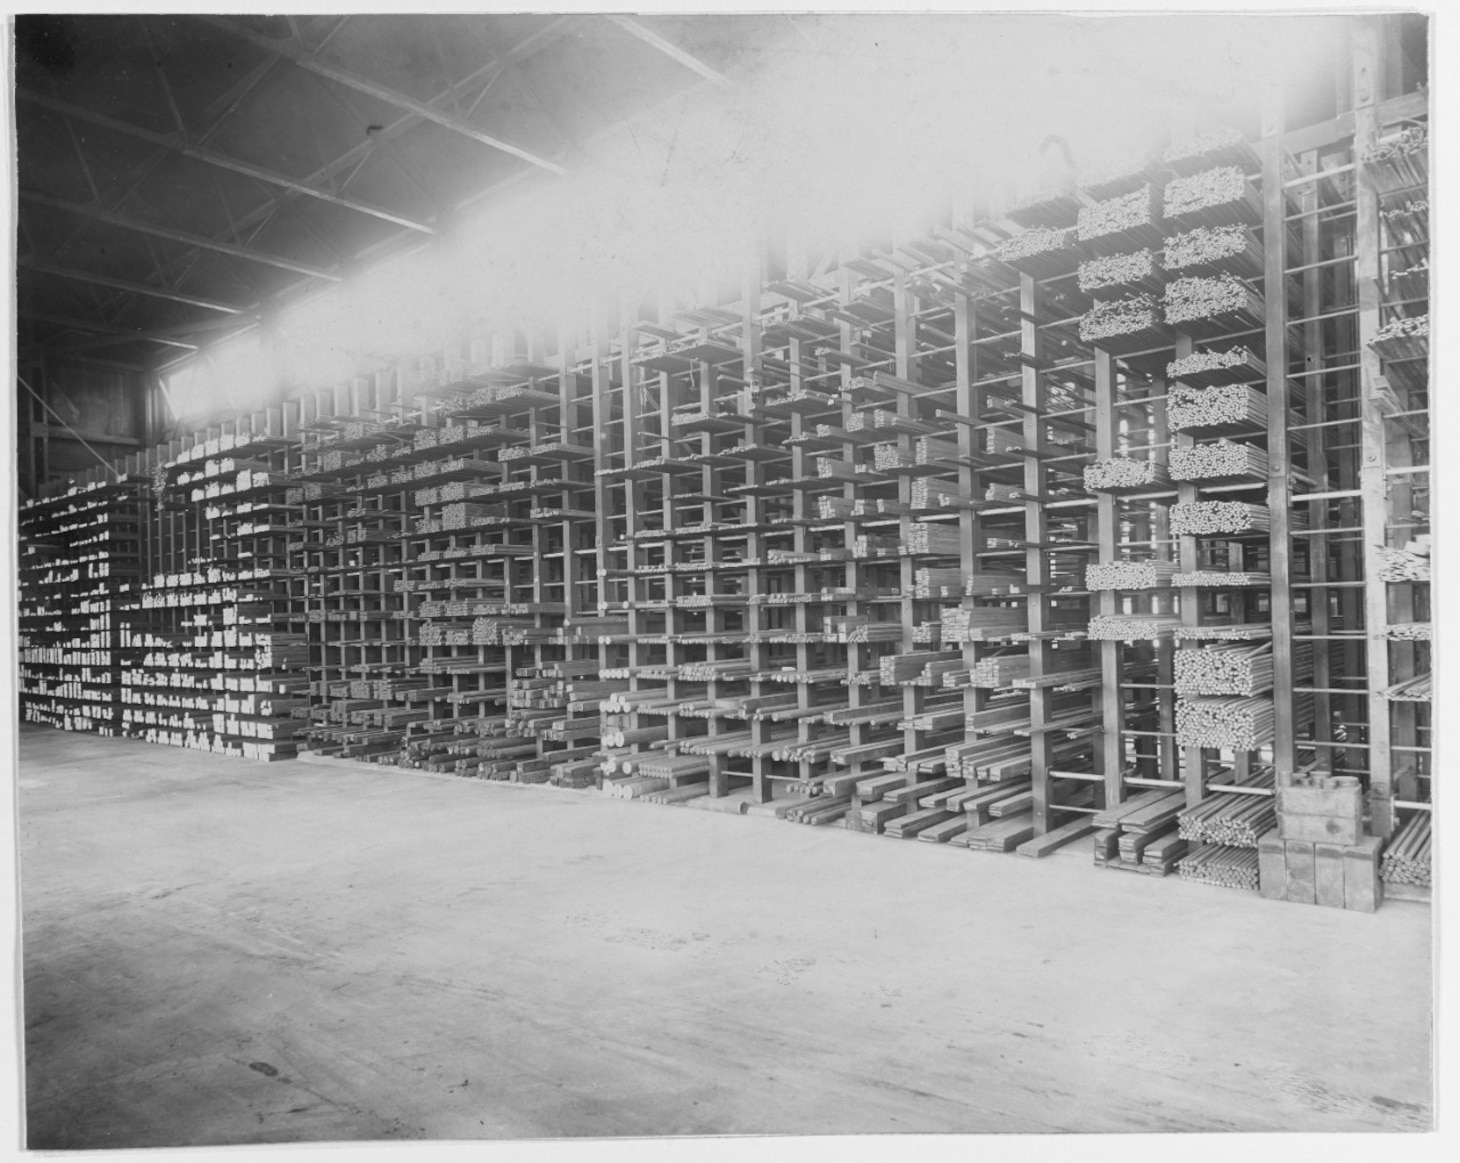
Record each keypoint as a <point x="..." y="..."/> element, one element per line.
<point x="330" y="35"/>
<point x="378" y="144"/>
<point x="134" y="288"/>
<point x="196" y="240"/>
<point x="671" y="50"/>
<point x="157" y="67"/>
<point x="522" y="50"/>
<point x="385" y="93"/>
<point x="222" y="161"/>
<point x="217" y="113"/>
<point x="468" y="94"/>
<point x="94" y="327"/>
<point x="85" y="165"/>
<point x="526" y="47"/>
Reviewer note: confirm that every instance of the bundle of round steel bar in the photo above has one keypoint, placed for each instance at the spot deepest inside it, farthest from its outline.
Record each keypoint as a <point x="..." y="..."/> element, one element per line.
<point x="1408" y="563"/>
<point x="1220" y="866"/>
<point x="1226" y="147"/>
<point x="1408" y="223"/>
<point x="1122" y="220"/>
<point x="1221" y="577"/>
<point x="1132" y="627"/>
<point x="1124" y="472"/>
<point x="1119" y="177"/>
<point x="1228" y="670"/>
<point x="1208" y="304"/>
<point x="1123" y="325"/>
<point x="1403" y="338"/>
<point x="1420" y="689"/>
<point x="1215" y="248"/>
<point x="1229" y="632"/>
<point x="1040" y="252"/>
<point x="1215" y="197"/>
<point x="1222" y="460"/>
<point x="1234" y="819"/>
<point x="1227" y="406"/>
<point x="1216" y="367"/>
<point x="1243" y="723"/>
<point x="1207" y="518"/>
<point x="1399" y="162"/>
<point x="1406" y="858"/>
<point x="1135" y="271"/>
<point x="1129" y="575"/>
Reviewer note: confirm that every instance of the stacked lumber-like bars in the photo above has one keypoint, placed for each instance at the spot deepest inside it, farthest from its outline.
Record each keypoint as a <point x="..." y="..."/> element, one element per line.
<point x="221" y="651"/>
<point x="79" y="551"/>
<point x="1141" y="834"/>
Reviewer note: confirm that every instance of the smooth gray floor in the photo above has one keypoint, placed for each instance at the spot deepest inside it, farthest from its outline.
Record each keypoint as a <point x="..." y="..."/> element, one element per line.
<point x="224" y="952"/>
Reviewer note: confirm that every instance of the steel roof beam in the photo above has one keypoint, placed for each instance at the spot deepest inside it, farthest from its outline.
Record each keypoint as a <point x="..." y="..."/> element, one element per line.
<point x="671" y="50"/>
<point x="99" y="328"/>
<point x="386" y="94"/>
<point x="523" y="49"/>
<point x="180" y="236"/>
<point x="176" y="142"/>
<point x="135" y="288"/>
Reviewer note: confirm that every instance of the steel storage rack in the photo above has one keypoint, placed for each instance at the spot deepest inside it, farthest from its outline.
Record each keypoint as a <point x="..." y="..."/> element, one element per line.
<point x="356" y="471"/>
<point x="1391" y="276"/>
<point x="220" y="631"/>
<point x="79" y="549"/>
<point x="1096" y="523"/>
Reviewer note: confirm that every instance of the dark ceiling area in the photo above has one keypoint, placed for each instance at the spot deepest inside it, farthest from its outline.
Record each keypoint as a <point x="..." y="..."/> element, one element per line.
<point x="181" y="176"/>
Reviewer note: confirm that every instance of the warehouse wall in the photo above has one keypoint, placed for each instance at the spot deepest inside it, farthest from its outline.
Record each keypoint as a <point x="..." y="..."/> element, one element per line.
<point x="81" y="403"/>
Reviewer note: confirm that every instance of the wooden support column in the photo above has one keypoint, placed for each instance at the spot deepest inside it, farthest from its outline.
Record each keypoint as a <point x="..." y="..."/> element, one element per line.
<point x="1193" y="759"/>
<point x="752" y="280"/>
<point x="796" y="268"/>
<point x="1033" y="395"/>
<point x="1373" y="477"/>
<point x="969" y="401"/>
<point x="904" y="308"/>
<point x="1280" y="541"/>
<point x="1110" y="754"/>
<point x="1316" y="461"/>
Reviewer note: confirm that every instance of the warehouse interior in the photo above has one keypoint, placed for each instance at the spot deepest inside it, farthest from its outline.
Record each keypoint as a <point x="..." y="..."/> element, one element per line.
<point x="516" y="516"/>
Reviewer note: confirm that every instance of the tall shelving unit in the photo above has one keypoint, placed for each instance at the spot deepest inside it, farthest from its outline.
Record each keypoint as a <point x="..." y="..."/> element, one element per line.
<point x="1103" y="513"/>
<point x="217" y="634"/>
<point x="80" y="549"/>
<point x="1391" y="260"/>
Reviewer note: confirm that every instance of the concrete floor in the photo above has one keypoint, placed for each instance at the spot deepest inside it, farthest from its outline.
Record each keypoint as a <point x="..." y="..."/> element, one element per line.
<point x="222" y="952"/>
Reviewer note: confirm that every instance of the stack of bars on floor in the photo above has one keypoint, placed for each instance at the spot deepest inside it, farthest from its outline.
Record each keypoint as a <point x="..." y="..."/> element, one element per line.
<point x="1406" y="861"/>
<point x="1141" y="834"/>
<point x="1223" y="831"/>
